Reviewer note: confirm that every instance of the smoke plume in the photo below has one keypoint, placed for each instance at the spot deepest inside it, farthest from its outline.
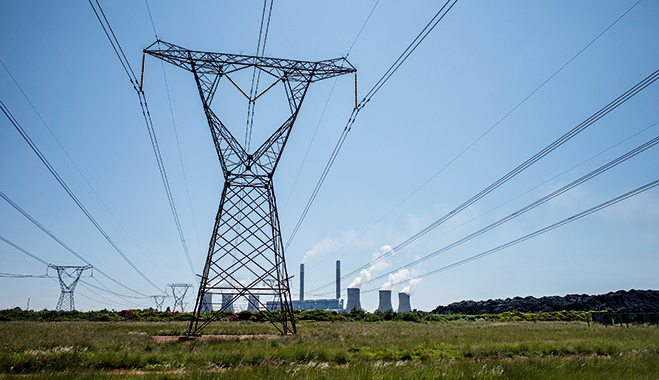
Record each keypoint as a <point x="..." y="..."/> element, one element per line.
<point x="375" y="267"/>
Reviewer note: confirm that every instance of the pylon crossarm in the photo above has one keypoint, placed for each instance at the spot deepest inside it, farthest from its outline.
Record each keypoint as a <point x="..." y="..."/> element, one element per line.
<point x="222" y="63"/>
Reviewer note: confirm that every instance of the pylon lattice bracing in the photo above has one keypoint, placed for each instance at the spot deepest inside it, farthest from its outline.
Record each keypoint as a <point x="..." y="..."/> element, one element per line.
<point x="159" y="300"/>
<point x="66" y="301"/>
<point x="178" y="292"/>
<point x="246" y="254"/>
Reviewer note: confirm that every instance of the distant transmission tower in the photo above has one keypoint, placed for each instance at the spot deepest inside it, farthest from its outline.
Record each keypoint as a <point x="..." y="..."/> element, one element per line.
<point x="64" y="273"/>
<point x="179" y="291"/>
<point x="246" y="247"/>
<point x="159" y="299"/>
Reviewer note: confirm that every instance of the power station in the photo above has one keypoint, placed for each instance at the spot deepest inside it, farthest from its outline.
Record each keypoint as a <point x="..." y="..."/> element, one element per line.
<point x="353" y="301"/>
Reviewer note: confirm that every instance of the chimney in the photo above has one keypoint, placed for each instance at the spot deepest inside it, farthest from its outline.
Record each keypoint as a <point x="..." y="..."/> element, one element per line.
<point x="338" y="279"/>
<point x="227" y="302"/>
<point x="301" y="282"/>
<point x="353" y="299"/>
<point x="253" y="303"/>
<point x="385" y="300"/>
<point x="404" y="302"/>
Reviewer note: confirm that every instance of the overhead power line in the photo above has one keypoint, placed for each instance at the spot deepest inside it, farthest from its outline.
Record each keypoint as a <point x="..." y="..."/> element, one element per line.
<point x="256" y="73"/>
<point x="75" y="165"/>
<point x="362" y="28"/>
<point x="68" y="190"/>
<point x="60" y="242"/>
<point x="178" y="144"/>
<point x="487" y="131"/>
<point x="523" y="166"/>
<point x="539" y="232"/>
<point x="14" y="275"/>
<point x="39" y="259"/>
<point x="611" y="164"/>
<point x="322" y="115"/>
<point x="107" y="28"/>
<point x="367" y="98"/>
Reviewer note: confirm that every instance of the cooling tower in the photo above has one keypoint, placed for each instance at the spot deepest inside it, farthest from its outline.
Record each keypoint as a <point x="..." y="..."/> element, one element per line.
<point x="404" y="302"/>
<point x="353" y="299"/>
<point x="227" y="302"/>
<point x="338" y="279"/>
<point x="253" y="303"/>
<point x="301" y="282"/>
<point x="207" y="303"/>
<point x="385" y="300"/>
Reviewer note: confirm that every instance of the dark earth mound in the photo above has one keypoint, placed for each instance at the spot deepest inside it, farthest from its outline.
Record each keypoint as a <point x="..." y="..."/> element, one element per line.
<point x="621" y="301"/>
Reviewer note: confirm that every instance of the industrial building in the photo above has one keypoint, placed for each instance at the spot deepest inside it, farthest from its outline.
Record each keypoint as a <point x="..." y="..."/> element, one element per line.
<point x="337" y="304"/>
<point x="332" y="304"/>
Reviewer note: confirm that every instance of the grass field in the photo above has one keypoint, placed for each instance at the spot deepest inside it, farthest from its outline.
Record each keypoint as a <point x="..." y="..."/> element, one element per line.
<point x="331" y="350"/>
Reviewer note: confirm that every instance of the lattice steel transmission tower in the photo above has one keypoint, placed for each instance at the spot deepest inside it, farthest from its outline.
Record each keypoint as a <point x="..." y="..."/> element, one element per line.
<point x="246" y="255"/>
<point x="159" y="300"/>
<point x="64" y="272"/>
<point x="178" y="292"/>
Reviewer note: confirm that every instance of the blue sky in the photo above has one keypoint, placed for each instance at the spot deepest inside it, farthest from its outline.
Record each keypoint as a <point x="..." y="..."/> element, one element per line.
<point x="480" y="62"/>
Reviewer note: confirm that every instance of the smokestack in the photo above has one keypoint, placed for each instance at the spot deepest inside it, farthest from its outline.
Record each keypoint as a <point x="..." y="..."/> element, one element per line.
<point x="253" y="303"/>
<point x="338" y="279"/>
<point x="301" y="282"/>
<point x="353" y="299"/>
<point x="227" y="302"/>
<point x="385" y="300"/>
<point x="404" y="302"/>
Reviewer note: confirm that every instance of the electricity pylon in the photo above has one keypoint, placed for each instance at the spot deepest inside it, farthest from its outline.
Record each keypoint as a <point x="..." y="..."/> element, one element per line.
<point x="66" y="302"/>
<point x="246" y="255"/>
<point x="159" y="299"/>
<point x="179" y="291"/>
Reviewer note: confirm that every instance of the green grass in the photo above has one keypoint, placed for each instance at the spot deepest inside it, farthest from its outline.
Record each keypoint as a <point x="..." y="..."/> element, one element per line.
<point x="332" y="350"/>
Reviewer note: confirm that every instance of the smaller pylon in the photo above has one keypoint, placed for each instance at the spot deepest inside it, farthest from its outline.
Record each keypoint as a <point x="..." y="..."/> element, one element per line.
<point x="179" y="291"/>
<point x="159" y="299"/>
<point x="66" y="302"/>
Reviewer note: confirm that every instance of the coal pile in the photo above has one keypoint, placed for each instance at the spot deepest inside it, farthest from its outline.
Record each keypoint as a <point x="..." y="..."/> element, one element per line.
<point x="637" y="301"/>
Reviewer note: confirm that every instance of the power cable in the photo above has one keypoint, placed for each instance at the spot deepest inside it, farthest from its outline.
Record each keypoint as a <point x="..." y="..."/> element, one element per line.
<point x="59" y="179"/>
<point x="256" y="75"/>
<point x="153" y="25"/>
<point x="312" y="292"/>
<point x="76" y="167"/>
<point x="178" y="144"/>
<point x="61" y="242"/>
<point x="107" y="28"/>
<point x="542" y="183"/>
<point x="482" y="135"/>
<point x="14" y="275"/>
<point x="611" y="164"/>
<point x="407" y="52"/>
<point x="39" y="259"/>
<point x="180" y="156"/>
<point x="306" y="155"/>
<point x="545" y="151"/>
<point x="322" y="115"/>
<point x="113" y="302"/>
<point x="362" y="28"/>
<point x="351" y="120"/>
<point x="536" y="233"/>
